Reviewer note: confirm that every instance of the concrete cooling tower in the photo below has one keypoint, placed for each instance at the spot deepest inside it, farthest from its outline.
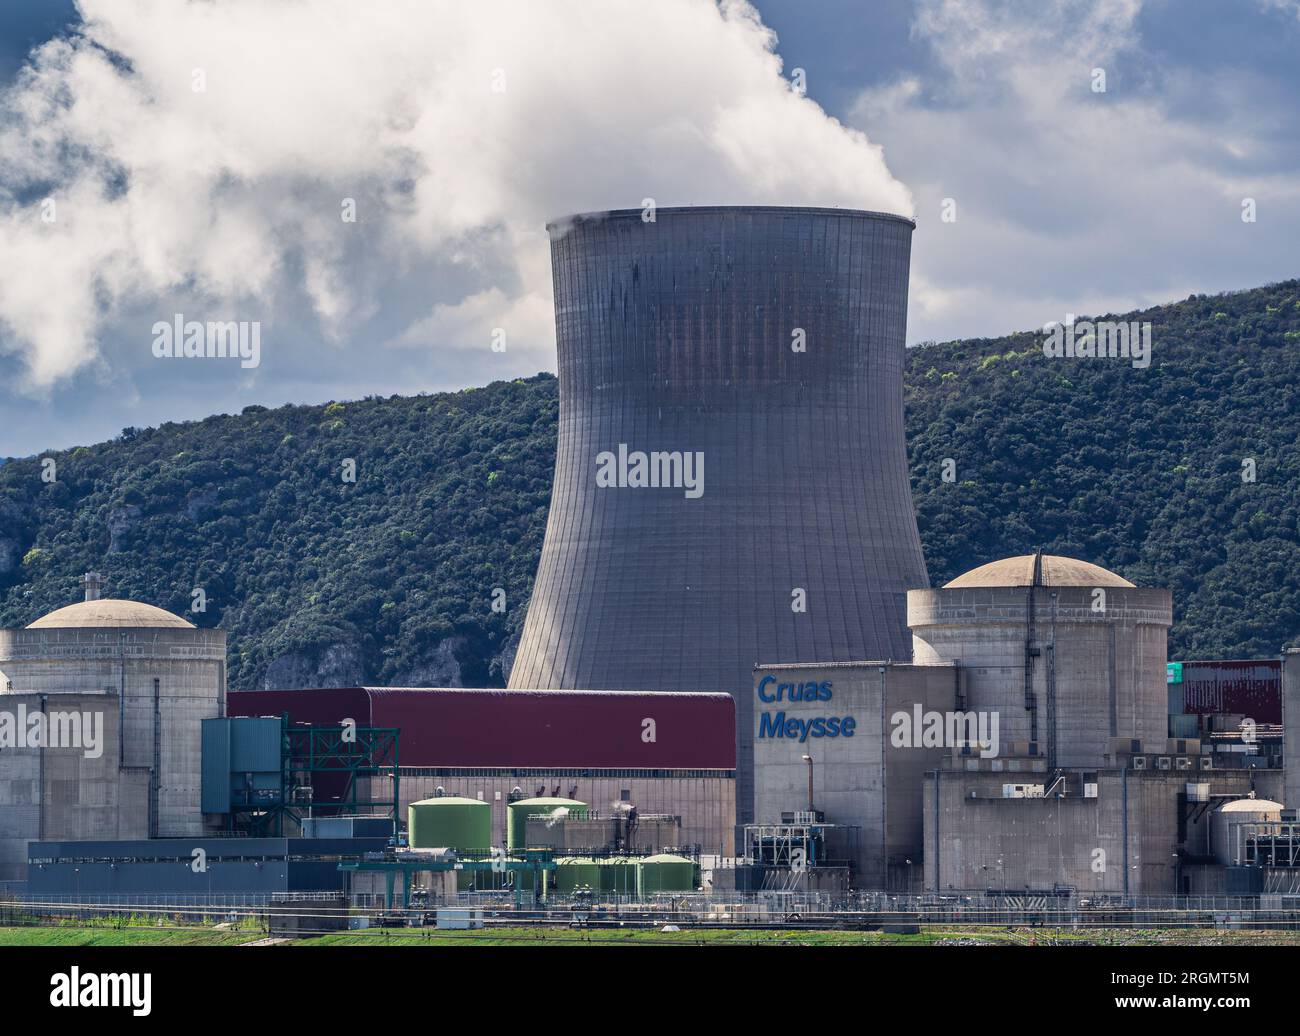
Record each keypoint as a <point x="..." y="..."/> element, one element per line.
<point x="731" y="484"/>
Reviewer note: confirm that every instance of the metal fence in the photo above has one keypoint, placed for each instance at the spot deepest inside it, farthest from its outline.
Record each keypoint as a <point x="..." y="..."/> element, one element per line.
<point x="717" y="909"/>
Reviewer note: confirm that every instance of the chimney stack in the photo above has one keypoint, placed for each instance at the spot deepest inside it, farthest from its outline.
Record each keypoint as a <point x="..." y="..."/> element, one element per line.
<point x="92" y="583"/>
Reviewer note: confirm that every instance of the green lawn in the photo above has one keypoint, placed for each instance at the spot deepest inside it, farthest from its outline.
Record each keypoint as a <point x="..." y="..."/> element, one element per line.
<point x="561" y="936"/>
<point x="126" y="936"/>
<point x="938" y="936"/>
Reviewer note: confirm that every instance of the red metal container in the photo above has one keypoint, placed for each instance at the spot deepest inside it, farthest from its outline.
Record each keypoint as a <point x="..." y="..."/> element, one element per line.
<point x="1251" y="688"/>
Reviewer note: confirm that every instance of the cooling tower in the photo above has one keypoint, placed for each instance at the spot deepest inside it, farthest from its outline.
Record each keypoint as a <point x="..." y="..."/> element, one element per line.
<point x="731" y="482"/>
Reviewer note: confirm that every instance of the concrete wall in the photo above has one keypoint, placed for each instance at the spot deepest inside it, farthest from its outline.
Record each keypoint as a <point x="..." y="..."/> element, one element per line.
<point x="63" y="793"/>
<point x="1291" y="725"/>
<point x="907" y="686"/>
<point x="706" y="804"/>
<point x="861" y="780"/>
<point x="87" y="669"/>
<point x="1098" y="674"/>
<point x="1124" y="841"/>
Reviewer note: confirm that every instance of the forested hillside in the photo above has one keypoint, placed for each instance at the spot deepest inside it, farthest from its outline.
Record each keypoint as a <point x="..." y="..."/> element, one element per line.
<point x="390" y="578"/>
<point x="387" y="579"/>
<point x="1138" y="470"/>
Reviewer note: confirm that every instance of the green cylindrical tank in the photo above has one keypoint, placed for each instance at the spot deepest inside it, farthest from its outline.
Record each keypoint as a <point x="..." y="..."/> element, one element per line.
<point x="665" y="873"/>
<point x="449" y="822"/>
<point x="518" y="812"/>
<point x="618" y="874"/>
<point x="574" y="872"/>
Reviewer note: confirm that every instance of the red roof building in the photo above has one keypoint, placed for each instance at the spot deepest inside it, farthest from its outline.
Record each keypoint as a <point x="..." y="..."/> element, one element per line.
<point x="464" y="727"/>
<point x="669" y="754"/>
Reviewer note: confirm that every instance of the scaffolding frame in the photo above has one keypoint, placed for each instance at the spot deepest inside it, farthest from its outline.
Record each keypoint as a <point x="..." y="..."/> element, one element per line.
<point x="352" y="752"/>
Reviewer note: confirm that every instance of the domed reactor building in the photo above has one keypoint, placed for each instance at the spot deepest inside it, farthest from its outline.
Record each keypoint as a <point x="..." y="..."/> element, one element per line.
<point x="1069" y="655"/>
<point x="731" y="483"/>
<point x="1024" y="749"/>
<point x="117" y="690"/>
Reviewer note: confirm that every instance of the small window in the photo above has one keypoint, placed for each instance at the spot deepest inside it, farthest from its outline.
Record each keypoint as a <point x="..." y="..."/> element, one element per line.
<point x="625" y="795"/>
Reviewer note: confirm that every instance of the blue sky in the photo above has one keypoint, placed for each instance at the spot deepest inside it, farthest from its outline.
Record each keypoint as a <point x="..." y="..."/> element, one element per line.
<point x="456" y="136"/>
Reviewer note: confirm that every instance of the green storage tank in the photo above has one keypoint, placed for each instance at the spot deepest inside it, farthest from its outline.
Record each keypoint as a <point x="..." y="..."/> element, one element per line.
<point x="449" y="822"/>
<point x="665" y="873"/>
<point x="618" y="874"/>
<point x="575" y="872"/>
<point x="518" y="812"/>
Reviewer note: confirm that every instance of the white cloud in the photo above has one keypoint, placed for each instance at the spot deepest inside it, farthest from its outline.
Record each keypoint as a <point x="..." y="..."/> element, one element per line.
<point x="231" y="196"/>
<point x="1282" y="6"/>
<point x="1070" y="200"/>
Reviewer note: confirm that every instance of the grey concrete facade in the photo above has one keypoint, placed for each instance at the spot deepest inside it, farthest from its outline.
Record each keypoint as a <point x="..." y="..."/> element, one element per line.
<point x="1291" y="724"/>
<point x="149" y="688"/>
<point x="1137" y="836"/>
<point x="867" y="778"/>
<point x="765" y="345"/>
<point x="1063" y="668"/>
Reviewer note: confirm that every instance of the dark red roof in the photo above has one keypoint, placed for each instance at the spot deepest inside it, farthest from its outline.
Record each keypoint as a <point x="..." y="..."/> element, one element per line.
<point x="1247" y="687"/>
<point x="459" y="727"/>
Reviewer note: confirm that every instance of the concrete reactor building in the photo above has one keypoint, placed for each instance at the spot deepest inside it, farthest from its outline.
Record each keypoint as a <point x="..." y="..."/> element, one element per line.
<point x="1068" y="655"/>
<point x="1024" y="749"/>
<point x="104" y="701"/>
<point x="731" y="481"/>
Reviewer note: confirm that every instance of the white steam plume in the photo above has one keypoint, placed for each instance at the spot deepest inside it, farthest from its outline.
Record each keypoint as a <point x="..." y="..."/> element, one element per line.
<point x="458" y="127"/>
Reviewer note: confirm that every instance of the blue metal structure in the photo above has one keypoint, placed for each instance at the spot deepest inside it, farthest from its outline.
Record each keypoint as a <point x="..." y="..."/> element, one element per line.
<point x="192" y="866"/>
<point x="257" y="769"/>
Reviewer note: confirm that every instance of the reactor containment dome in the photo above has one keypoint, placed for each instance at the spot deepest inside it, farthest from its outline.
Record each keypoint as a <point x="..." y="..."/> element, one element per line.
<point x="1067" y="656"/>
<point x="121" y="687"/>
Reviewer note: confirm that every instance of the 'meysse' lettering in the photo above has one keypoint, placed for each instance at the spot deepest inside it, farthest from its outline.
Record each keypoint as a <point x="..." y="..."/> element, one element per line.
<point x="770" y="725"/>
<point x="779" y="725"/>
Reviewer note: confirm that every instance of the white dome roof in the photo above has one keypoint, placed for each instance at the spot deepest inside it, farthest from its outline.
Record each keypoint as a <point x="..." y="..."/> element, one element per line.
<point x="1251" y="806"/>
<point x="1053" y="571"/>
<point x="110" y="613"/>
